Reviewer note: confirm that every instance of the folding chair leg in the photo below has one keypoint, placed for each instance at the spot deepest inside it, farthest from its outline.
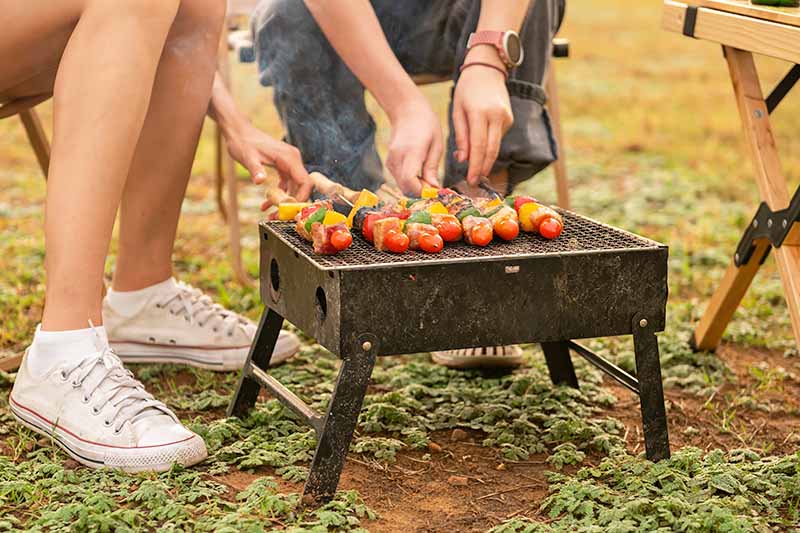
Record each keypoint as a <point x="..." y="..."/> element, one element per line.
<point x="340" y="424"/>
<point x="38" y="138"/>
<point x="651" y="392"/>
<point x="559" y="363"/>
<point x="560" y="164"/>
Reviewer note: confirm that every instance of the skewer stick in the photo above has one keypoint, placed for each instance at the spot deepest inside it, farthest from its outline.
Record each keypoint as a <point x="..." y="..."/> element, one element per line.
<point x="325" y="186"/>
<point x="344" y="200"/>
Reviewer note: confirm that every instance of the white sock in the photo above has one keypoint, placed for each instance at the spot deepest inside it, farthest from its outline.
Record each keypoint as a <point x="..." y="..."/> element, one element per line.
<point x="51" y="348"/>
<point x="128" y="303"/>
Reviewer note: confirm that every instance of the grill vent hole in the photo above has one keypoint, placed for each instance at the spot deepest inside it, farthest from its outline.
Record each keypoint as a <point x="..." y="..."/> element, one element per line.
<point x="274" y="275"/>
<point x="322" y="303"/>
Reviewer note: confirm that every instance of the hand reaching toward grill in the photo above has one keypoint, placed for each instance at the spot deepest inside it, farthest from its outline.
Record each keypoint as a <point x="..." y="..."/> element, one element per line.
<point x="481" y="113"/>
<point x="416" y="146"/>
<point x="254" y="149"/>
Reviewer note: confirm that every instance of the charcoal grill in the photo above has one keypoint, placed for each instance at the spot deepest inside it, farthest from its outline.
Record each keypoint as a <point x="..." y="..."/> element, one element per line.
<point x="593" y="281"/>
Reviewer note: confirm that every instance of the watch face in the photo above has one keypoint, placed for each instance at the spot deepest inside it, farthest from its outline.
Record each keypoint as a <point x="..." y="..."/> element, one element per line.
<point x="513" y="47"/>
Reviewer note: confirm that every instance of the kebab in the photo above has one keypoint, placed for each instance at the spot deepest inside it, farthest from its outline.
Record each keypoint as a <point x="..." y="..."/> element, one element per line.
<point x="477" y="229"/>
<point x="535" y="217"/>
<point x="325" y="228"/>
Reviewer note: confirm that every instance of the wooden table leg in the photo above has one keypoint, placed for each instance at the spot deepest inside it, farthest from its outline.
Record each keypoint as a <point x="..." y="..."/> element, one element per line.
<point x="560" y="164"/>
<point x="773" y="189"/>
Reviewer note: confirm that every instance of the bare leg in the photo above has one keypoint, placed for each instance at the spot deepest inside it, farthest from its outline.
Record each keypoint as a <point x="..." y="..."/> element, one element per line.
<point x="162" y="163"/>
<point x="105" y="74"/>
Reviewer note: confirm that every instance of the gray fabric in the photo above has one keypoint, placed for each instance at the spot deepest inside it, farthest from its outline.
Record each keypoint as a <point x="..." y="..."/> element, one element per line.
<point x="321" y="103"/>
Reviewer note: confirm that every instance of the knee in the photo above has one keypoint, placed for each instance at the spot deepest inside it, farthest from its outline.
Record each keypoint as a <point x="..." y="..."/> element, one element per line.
<point x="286" y="35"/>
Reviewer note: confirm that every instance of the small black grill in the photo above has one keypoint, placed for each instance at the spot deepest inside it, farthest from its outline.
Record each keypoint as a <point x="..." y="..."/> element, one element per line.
<point x="593" y="281"/>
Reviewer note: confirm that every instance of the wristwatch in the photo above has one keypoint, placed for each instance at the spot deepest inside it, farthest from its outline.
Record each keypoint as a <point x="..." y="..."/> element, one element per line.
<point x="508" y="45"/>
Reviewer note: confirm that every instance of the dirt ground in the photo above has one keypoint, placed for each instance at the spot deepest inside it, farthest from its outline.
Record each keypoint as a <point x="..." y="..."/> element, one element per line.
<point x="465" y="487"/>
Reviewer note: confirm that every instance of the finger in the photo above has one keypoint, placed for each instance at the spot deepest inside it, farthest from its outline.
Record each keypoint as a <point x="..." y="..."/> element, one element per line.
<point x="295" y="175"/>
<point x="495" y="136"/>
<point x="411" y="170"/>
<point x="430" y="169"/>
<point x="257" y="172"/>
<point x="478" y="127"/>
<point x="461" y="128"/>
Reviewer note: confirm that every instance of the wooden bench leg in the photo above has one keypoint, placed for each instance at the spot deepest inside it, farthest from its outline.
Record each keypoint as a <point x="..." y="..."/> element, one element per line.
<point x="560" y="164"/>
<point x="226" y="174"/>
<point x="38" y="138"/>
<point x="774" y="191"/>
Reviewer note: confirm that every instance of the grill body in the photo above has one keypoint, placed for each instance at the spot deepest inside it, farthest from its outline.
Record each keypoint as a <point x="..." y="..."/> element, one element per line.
<point x="591" y="285"/>
<point x="593" y="281"/>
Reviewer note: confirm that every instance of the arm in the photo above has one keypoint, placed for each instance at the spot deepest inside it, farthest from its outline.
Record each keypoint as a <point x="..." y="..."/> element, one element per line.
<point x="481" y="106"/>
<point x="254" y="149"/>
<point x="354" y="31"/>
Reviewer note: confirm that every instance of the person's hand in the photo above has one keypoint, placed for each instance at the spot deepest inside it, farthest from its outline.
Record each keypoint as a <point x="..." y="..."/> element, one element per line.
<point x="416" y="146"/>
<point x="254" y="150"/>
<point x="481" y="114"/>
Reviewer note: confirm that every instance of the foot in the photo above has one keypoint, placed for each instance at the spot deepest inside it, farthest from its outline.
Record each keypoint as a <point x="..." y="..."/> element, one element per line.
<point x="177" y="323"/>
<point x="102" y="417"/>
<point x="492" y="357"/>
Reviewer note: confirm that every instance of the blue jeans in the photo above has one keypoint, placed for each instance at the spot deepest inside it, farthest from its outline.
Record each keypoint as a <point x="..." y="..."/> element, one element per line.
<point x="321" y="103"/>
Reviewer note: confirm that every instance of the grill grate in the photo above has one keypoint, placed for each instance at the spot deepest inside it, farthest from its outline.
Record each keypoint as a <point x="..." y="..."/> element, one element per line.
<point x="580" y="235"/>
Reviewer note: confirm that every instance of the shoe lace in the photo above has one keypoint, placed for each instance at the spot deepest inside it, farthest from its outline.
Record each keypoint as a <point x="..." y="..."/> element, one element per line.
<point x="102" y="375"/>
<point x="198" y="307"/>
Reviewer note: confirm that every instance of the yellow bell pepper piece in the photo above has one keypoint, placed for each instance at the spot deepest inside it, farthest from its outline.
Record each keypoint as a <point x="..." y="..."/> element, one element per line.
<point x="437" y="208"/>
<point x="525" y="212"/>
<point x="332" y="218"/>
<point x="494" y="203"/>
<point x="288" y="211"/>
<point x="429" y="192"/>
<point x="365" y="199"/>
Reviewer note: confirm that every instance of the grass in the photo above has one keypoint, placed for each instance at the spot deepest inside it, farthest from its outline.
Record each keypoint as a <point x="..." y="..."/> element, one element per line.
<point x="654" y="146"/>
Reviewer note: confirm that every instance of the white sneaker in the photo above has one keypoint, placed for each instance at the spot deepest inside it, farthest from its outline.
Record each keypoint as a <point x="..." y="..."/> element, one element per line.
<point x="180" y="324"/>
<point x="102" y="417"/>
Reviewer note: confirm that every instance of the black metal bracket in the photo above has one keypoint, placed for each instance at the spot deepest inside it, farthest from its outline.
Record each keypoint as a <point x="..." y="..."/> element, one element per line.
<point x="783" y="88"/>
<point x="773" y="226"/>
<point x="689" y="21"/>
<point x="606" y="366"/>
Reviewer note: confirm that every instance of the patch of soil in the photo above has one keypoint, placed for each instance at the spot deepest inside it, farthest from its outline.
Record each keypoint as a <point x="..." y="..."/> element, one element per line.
<point x="464" y="487"/>
<point x="767" y="423"/>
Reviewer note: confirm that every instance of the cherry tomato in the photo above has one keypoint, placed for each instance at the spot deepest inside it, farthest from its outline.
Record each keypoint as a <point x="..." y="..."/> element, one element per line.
<point x="481" y="235"/>
<point x="402" y="215"/>
<point x="396" y="241"/>
<point x="449" y="230"/>
<point x="550" y="228"/>
<point x="507" y="229"/>
<point x="341" y="239"/>
<point x="431" y="243"/>
<point x="522" y="200"/>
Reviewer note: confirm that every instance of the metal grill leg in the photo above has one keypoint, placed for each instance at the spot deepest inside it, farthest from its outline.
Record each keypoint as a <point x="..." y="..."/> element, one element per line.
<point x="340" y="424"/>
<point x="651" y="392"/>
<point x="559" y="363"/>
<point x="269" y="327"/>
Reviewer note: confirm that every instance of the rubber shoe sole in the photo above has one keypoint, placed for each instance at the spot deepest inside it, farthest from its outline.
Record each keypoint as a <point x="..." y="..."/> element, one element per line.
<point x="493" y="357"/>
<point x="216" y="359"/>
<point x="187" y="452"/>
